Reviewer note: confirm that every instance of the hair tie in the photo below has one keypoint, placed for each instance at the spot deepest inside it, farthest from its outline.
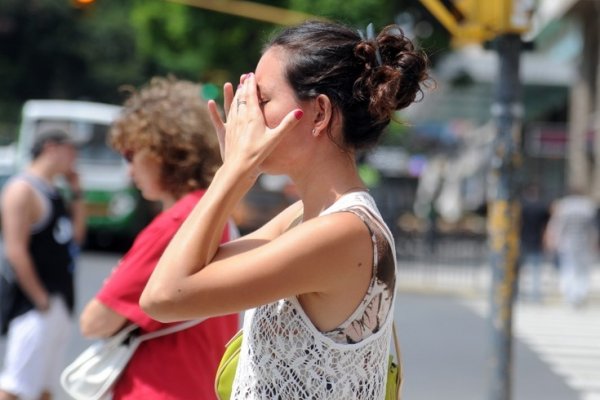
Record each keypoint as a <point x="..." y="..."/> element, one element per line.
<point x="370" y="36"/>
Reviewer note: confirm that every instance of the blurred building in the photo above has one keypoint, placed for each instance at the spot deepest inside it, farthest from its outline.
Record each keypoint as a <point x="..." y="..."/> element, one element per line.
<point x="463" y="99"/>
<point x="559" y="76"/>
<point x="578" y="20"/>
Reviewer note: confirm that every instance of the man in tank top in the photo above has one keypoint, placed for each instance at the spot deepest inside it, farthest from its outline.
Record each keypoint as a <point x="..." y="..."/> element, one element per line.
<point x="40" y="237"/>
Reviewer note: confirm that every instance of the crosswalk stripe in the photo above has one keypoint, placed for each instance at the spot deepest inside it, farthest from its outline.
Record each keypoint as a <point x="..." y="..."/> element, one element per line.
<point x="567" y="340"/>
<point x="587" y="342"/>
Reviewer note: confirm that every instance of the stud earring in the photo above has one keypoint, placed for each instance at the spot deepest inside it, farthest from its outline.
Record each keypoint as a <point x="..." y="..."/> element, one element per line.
<point x="315" y="133"/>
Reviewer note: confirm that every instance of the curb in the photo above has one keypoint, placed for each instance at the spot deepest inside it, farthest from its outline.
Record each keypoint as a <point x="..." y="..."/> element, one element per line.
<point x="473" y="281"/>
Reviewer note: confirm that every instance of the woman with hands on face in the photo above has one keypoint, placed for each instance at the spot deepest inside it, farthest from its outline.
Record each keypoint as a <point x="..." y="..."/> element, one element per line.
<point x="318" y="279"/>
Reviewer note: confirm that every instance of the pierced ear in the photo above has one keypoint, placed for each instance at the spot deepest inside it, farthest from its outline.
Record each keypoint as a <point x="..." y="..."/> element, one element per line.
<point x="323" y="113"/>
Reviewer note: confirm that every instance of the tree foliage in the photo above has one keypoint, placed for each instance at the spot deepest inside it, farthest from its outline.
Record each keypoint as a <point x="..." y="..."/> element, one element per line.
<point x="51" y="49"/>
<point x="196" y="43"/>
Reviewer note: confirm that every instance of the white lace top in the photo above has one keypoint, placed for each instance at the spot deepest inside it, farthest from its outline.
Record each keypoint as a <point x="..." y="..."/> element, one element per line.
<point x="284" y="356"/>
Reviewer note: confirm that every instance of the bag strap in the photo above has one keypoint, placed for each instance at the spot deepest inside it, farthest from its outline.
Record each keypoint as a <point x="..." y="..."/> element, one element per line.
<point x="398" y="354"/>
<point x="171" y="329"/>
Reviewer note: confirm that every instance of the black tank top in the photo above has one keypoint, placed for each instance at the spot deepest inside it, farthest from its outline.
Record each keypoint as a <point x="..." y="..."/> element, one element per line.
<point x="51" y="247"/>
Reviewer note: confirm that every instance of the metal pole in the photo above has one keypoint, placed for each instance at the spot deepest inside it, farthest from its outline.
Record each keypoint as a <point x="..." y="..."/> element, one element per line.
<point x="504" y="213"/>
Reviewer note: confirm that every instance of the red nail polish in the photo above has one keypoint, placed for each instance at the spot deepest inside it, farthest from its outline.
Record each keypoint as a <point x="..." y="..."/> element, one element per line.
<point x="298" y="114"/>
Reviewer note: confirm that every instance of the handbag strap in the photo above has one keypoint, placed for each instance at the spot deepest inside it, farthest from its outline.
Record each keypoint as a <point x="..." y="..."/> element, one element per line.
<point x="397" y="348"/>
<point x="396" y="341"/>
<point x="398" y="358"/>
<point x="171" y="329"/>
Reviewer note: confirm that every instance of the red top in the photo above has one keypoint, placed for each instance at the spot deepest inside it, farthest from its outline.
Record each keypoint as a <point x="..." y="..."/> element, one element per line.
<point x="179" y="366"/>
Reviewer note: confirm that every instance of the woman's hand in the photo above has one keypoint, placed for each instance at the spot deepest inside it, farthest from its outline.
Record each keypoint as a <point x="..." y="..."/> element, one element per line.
<point x="244" y="139"/>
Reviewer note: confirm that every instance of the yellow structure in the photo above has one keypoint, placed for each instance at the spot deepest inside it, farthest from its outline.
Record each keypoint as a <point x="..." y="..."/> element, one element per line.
<point x="480" y="20"/>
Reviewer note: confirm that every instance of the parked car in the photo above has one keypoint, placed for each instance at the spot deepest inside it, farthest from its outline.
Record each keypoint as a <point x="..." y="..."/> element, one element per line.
<point x="114" y="206"/>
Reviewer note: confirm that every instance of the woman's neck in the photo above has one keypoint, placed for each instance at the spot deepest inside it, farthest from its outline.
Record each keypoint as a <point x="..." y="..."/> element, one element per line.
<point x="168" y="201"/>
<point x="323" y="184"/>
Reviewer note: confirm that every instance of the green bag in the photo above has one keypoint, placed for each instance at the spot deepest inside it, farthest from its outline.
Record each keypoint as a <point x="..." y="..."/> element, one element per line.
<point x="393" y="387"/>
<point x="227" y="367"/>
<point x="229" y="362"/>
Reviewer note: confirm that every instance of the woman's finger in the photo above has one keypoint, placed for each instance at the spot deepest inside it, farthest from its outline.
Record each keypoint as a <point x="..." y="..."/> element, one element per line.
<point x="219" y="125"/>
<point x="287" y="123"/>
<point x="240" y="99"/>
<point x="215" y="116"/>
<point x="227" y="97"/>
<point x="250" y="93"/>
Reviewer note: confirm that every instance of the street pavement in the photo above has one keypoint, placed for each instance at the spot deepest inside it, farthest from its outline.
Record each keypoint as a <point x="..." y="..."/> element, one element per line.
<point x="446" y="346"/>
<point x="441" y="315"/>
<point x="556" y="347"/>
<point x="566" y="340"/>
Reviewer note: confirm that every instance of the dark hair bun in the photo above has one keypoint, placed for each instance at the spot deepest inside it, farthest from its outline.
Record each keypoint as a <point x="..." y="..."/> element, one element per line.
<point x="366" y="79"/>
<point x="394" y="72"/>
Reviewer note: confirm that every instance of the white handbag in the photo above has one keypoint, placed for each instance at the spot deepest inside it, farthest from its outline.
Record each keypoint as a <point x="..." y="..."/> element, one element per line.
<point x="95" y="371"/>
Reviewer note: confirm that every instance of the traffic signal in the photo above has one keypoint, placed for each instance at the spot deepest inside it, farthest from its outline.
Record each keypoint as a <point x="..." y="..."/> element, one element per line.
<point x="498" y="16"/>
<point x="481" y="20"/>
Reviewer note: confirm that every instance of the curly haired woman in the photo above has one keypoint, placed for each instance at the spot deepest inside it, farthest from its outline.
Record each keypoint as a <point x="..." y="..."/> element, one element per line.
<point x="165" y="134"/>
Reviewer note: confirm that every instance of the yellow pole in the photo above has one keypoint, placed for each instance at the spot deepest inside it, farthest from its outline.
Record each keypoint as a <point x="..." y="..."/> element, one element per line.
<point x="443" y="15"/>
<point x="504" y="213"/>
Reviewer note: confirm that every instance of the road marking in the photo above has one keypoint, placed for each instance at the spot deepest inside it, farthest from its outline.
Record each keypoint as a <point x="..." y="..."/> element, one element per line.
<point x="567" y="340"/>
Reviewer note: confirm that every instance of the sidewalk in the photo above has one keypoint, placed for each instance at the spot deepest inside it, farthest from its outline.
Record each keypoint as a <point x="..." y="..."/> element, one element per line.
<point x="474" y="280"/>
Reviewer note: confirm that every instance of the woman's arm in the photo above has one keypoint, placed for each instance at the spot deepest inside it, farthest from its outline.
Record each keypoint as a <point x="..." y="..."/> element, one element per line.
<point x="324" y="256"/>
<point x="246" y="143"/>
<point x="195" y="243"/>
<point x="99" y="321"/>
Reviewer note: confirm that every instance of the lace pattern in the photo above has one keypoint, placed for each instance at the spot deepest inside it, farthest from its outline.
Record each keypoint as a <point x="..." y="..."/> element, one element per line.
<point x="284" y="356"/>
